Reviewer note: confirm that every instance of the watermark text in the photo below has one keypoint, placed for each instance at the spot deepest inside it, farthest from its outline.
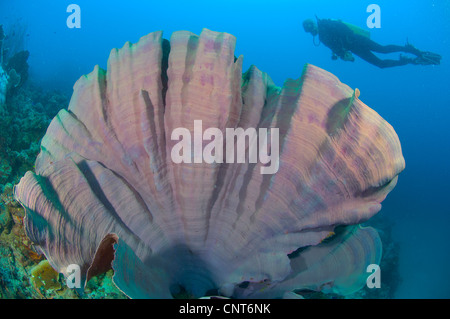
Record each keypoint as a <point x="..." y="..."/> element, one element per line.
<point x="192" y="149"/>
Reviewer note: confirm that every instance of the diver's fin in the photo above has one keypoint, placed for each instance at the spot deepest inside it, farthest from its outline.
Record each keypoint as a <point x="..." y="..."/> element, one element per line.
<point x="428" y="58"/>
<point x="409" y="48"/>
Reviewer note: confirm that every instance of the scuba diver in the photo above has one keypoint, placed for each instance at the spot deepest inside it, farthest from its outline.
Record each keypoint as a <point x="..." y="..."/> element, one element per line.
<point x="344" y="39"/>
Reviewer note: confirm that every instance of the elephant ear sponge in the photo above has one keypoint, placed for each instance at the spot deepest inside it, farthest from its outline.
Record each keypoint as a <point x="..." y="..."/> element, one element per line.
<point x="106" y="192"/>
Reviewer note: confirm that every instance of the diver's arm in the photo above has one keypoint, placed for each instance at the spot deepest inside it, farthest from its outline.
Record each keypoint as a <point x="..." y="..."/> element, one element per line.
<point x="338" y="50"/>
<point x="348" y="56"/>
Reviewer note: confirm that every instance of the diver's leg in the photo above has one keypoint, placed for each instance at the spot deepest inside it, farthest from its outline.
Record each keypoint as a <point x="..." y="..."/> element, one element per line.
<point x="373" y="59"/>
<point x="423" y="57"/>
<point x="391" y="48"/>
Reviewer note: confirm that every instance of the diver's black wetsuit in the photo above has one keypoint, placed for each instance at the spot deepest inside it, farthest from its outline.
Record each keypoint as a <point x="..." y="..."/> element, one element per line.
<point x="340" y="39"/>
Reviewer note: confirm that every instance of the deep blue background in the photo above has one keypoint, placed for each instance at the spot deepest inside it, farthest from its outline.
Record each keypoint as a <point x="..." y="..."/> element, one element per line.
<point x="414" y="99"/>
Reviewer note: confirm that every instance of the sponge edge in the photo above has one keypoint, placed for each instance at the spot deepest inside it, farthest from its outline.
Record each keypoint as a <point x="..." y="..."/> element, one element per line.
<point x="138" y="281"/>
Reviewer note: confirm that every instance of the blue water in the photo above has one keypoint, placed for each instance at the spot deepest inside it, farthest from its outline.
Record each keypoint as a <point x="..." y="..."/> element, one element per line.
<point x="414" y="99"/>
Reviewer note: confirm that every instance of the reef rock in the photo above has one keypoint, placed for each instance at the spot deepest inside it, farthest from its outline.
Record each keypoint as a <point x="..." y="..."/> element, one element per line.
<point x="105" y="178"/>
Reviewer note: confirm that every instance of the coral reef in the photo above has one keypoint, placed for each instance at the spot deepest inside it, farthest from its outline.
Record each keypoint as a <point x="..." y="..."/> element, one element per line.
<point x="23" y="121"/>
<point x="13" y="67"/>
<point x="18" y="66"/>
<point x="3" y="86"/>
<point x="104" y="177"/>
<point x="19" y="262"/>
<point x="44" y="277"/>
